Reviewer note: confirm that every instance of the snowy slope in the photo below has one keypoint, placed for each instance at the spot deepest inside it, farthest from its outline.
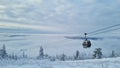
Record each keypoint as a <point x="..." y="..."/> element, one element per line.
<point x="97" y="63"/>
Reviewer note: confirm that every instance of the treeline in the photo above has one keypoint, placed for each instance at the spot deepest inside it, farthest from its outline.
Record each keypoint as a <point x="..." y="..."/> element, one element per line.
<point x="97" y="54"/>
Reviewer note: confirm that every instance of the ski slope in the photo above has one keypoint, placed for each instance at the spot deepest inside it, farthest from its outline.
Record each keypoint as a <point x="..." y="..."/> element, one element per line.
<point x="97" y="63"/>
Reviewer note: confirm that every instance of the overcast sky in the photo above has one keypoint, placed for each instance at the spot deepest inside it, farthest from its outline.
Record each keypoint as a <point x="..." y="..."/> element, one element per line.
<point x="57" y="16"/>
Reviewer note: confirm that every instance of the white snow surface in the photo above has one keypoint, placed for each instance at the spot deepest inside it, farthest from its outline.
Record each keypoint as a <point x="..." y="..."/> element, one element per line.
<point x="92" y="63"/>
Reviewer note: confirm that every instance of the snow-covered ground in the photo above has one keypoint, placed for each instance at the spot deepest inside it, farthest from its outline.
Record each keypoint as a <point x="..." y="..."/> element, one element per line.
<point x="96" y="63"/>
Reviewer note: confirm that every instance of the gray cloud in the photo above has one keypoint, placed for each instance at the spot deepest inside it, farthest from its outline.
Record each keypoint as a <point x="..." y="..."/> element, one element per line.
<point x="76" y="16"/>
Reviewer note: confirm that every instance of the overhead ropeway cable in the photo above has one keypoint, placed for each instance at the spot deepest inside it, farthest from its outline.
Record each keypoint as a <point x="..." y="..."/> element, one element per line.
<point x="105" y="30"/>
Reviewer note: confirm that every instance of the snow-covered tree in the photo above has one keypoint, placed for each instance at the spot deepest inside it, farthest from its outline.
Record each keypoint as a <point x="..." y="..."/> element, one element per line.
<point x="52" y="58"/>
<point x="97" y="53"/>
<point x="63" y="56"/>
<point x="14" y="56"/>
<point x="3" y="52"/>
<point x="113" y="54"/>
<point x="77" y="55"/>
<point x="41" y="53"/>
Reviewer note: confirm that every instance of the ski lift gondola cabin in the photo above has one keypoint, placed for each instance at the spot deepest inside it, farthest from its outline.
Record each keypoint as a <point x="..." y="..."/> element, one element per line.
<point x="86" y="43"/>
